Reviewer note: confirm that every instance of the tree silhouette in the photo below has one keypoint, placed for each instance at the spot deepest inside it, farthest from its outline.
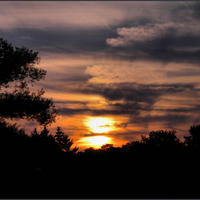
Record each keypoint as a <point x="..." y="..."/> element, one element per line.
<point x="133" y="146"/>
<point x="17" y="67"/>
<point x="45" y="140"/>
<point x="64" y="141"/>
<point x="106" y="146"/>
<point x="193" y="141"/>
<point x="44" y="133"/>
<point x="34" y="134"/>
<point x="90" y="149"/>
<point x="35" y="165"/>
<point x="165" y="140"/>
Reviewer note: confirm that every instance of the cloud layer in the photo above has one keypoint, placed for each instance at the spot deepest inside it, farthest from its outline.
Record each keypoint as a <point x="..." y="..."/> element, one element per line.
<point x="134" y="61"/>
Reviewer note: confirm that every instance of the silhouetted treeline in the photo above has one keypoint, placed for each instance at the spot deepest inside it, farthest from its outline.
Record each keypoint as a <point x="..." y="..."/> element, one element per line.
<point x="28" y="161"/>
<point x="42" y="165"/>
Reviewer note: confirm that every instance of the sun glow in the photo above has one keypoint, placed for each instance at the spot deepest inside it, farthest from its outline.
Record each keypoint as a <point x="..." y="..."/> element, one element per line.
<point x="99" y="124"/>
<point x="95" y="141"/>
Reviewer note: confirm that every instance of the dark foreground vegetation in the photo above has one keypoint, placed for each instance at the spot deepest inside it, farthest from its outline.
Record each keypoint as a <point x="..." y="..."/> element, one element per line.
<point x="44" y="166"/>
<point x="41" y="165"/>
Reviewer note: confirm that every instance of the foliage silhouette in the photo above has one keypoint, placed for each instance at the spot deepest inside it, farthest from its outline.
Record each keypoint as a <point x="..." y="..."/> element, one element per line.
<point x="64" y="141"/>
<point x="28" y="161"/>
<point x="139" y="169"/>
<point x="162" y="140"/>
<point x="17" y="66"/>
<point x="133" y="146"/>
<point x="106" y="146"/>
<point x="193" y="141"/>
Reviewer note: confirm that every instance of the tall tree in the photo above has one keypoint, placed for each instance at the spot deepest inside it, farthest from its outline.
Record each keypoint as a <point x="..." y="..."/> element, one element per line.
<point x="64" y="141"/>
<point x="193" y="141"/>
<point x="18" y="69"/>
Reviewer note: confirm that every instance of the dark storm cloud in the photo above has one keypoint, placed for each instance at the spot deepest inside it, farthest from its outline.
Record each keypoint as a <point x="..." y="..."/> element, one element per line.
<point x="169" y="119"/>
<point x="137" y="99"/>
<point x="167" y="48"/>
<point x="165" y="42"/>
<point x="196" y="9"/>
<point x="96" y="112"/>
<point x="70" y="102"/>
<point x="175" y="39"/>
<point x="134" y="99"/>
<point x="76" y="78"/>
<point x="133" y="91"/>
<point x="59" y="40"/>
<point x="164" y="45"/>
<point x="128" y="135"/>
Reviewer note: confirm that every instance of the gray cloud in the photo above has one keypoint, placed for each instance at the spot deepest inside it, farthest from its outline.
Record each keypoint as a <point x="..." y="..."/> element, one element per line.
<point x="186" y="72"/>
<point x="61" y="40"/>
<point x="95" y="112"/>
<point x="133" y="91"/>
<point x="146" y="33"/>
<point x="167" y="48"/>
<point x="195" y="9"/>
<point x="137" y="102"/>
<point x="82" y="14"/>
<point x="171" y="39"/>
<point x="128" y="135"/>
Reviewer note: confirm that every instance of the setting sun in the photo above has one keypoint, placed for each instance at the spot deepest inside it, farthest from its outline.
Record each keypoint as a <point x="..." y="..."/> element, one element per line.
<point x="95" y="141"/>
<point x="99" y="124"/>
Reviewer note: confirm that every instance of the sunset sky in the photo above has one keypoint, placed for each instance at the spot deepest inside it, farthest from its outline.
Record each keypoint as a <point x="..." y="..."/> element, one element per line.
<point x="115" y="70"/>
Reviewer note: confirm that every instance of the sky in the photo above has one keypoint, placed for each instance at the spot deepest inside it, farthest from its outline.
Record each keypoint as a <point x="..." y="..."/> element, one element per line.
<point x="115" y="70"/>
